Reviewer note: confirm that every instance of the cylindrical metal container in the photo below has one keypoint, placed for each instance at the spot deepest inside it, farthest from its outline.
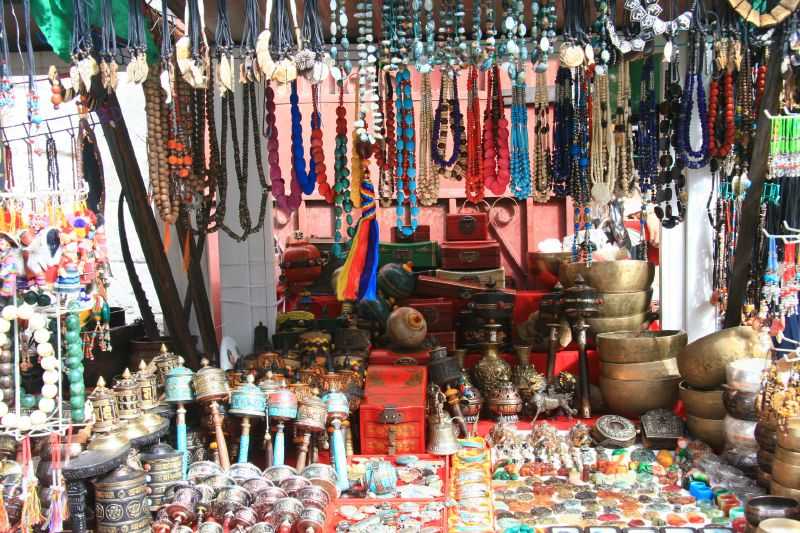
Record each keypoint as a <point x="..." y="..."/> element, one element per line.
<point x="162" y="463"/>
<point x="121" y="502"/>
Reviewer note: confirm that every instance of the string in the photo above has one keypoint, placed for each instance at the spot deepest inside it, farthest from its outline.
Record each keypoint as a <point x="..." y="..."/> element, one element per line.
<point x="166" y="41"/>
<point x="81" y="36"/>
<point x="26" y="16"/>
<point x="250" y="24"/>
<point x="281" y="41"/>
<point x="195" y="25"/>
<point x="135" y="26"/>
<point x="312" y="26"/>
<point x="222" y="34"/>
<point x="108" y="36"/>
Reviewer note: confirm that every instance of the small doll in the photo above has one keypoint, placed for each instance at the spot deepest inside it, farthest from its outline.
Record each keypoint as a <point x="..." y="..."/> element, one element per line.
<point x="9" y="267"/>
<point x="69" y="281"/>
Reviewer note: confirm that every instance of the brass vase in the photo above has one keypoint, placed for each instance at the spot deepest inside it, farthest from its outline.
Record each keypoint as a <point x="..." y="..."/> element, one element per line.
<point x="525" y="376"/>
<point x="491" y="370"/>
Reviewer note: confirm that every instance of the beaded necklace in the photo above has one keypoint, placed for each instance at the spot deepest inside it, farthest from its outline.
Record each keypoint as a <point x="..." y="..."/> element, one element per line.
<point x="626" y="177"/>
<point x="563" y="121"/>
<point x="496" y="158"/>
<point x="670" y="178"/>
<point x="721" y="132"/>
<point x="473" y="185"/>
<point x="390" y="161"/>
<point x="694" y="83"/>
<point x="427" y="181"/>
<point x="646" y="138"/>
<point x="603" y="154"/>
<point x="579" y="172"/>
<point x="447" y="102"/>
<point x="520" y="160"/>
<point x="305" y="178"/>
<point x="542" y="151"/>
<point x="543" y="33"/>
<point x="285" y="202"/>
<point x="477" y="34"/>
<point x="317" y="152"/>
<point x="406" y="171"/>
<point x="342" y="202"/>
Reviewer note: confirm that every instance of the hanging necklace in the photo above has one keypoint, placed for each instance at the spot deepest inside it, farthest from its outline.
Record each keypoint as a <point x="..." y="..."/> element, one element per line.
<point x="563" y="122"/>
<point x="406" y="172"/>
<point x="694" y="84"/>
<point x="543" y="33"/>
<point x="386" y="188"/>
<point x="671" y="178"/>
<point x="448" y="101"/>
<point x="314" y="41"/>
<point x="542" y="151"/>
<point x="6" y="93"/>
<point x="721" y="132"/>
<point x="34" y="116"/>
<point x="305" y="178"/>
<point x="342" y="202"/>
<point x="359" y="128"/>
<point x="603" y="153"/>
<point x="137" y="68"/>
<point x="626" y="177"/>
<point x="473" y="185"/>
<point x="317" y="152"/>
<point x="496" y="159"/>
<point x="520" y="161"/>
<point x="579" y="172"/>
<point x="646" y="137"/>
<point x="427" y="179"/>
<point x="285" y="202"/>
<point x="108" y="48"/>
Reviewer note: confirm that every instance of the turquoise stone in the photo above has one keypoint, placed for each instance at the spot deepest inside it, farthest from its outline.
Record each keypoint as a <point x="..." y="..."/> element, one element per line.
<point x="78" y="415"/>
<point x="77" y="388"/>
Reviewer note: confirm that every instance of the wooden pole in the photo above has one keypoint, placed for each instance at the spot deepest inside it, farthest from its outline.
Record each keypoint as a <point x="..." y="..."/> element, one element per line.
<point x="751" y="207"/>
<point x="130" y="178"/>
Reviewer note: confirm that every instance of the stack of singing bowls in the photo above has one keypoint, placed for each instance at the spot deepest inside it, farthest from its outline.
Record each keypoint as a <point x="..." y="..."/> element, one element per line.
<point x="623" y="288"/>
<point x="739" y="397"/>
<point x="702" y="365"/>
<point x="786" y="461"/>
<point x="638" y="370"/>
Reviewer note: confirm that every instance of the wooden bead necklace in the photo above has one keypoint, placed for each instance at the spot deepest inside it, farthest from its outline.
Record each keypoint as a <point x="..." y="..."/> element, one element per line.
<point x="496" y="158"/>
<point x="359" y="129"/>
<point x="626" y="177"/>
<point x="386" y="186"/>
<point x="542" y="150"/>
<point x="473" y="185"/>
<point x="427" y="178"/>
<point x="603" y="151"/>
<point x="158" y="169"/>
<point x="317" y="152"/>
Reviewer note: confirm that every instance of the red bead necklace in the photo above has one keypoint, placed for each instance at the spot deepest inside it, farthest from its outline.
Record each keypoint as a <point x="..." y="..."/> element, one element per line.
<point x="389" y="161"/>
<point x="317" y="153"/>
<point x="473" y="184"/>
<point x="715" y="148"/>
<point x="496" y="155"/>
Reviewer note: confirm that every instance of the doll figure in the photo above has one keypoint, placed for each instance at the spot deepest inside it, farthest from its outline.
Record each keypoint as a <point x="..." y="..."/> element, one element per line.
<point x="69" y="280"/>
<point x="44" y="255"/>
<point x="9" y="268"/>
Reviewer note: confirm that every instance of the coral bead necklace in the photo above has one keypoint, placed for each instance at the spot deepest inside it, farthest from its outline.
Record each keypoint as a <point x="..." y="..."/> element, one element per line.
<point x="496" y="157"/>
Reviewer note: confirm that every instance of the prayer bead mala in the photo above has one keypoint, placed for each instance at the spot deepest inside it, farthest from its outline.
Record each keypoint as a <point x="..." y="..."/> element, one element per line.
<point x="158" y="169"/>
<point x="542" y="150"/>
<point x="427" y="177"/>
<point x="473" y="185"/>
<point x="603" y="152"/>
<point x="496" y="157"/>
<point x="626" y="177"/>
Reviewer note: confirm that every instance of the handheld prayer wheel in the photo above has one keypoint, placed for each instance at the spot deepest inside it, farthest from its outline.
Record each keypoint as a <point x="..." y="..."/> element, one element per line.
<point x="178" y="391"/>
<point x="121" y="502"/>
<point x="312" y="520"/>
<point x="246" y="401"/>
<point x="338" y="410"/>
<point x="227" y="501"/>
<point x="323" y="476"/>
<point x="314" y="496"/>
<point x="147" y="381"/>
<point x="106" y="420"/>
<point x="211" y="386"/>
<point x="285" y="513"/>
<point x="164" y="362"/>
<point x="550" y="313"/>
<point x="183" y="507"/>
<point x="164" y="468"/>
<point x="282" y="408"/>
<point x="269" y="385"/>
<point x="580" y="303"/>
<point x="442" y="369"/>
<point x="265" y="501"/>
<point x="312" y="416"/>
<point x="126" y="391"/>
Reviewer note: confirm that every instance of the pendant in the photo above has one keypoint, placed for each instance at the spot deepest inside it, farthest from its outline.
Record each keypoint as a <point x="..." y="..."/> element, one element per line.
<point x="166" y="86"/>
<point x="225" y="71"/>
<point x="571" y="55"/>
<point x="263" y="57"/>
<point x="667" y="52"/>
<point x="601" y="193"/>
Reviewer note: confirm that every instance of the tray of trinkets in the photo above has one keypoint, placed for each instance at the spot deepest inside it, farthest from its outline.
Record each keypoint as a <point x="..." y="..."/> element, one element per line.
<point x="390" y="516"/>
<point x="377" y="478"/>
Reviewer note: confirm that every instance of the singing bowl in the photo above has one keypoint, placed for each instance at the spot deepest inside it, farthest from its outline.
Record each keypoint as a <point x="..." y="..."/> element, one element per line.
<point x="702" y="403"/>
<point x="786" y="474"/>
<point x="766" y="437"/>
<point x="763" y="478"/>
<point x="709" y="430"/>
<point x="633" y="398"/>
<point x="619" y="304"/>
<point x="778" y="525"/>
<point x="544" y="267"/>
<point x="740" y="404"/>
<point x="745" y="374"/>
<point x="627" y="275"/>
<point x="765" y="459"/>
<point x="639" y="346"/>
<point x="763" y="508"/>
<point x="787" y="456"/>
<point x="788" y="437"/>
<point x="702" y="362"/>
<point x="654" y="370"/>
<point x="739" y="432"/>
<point x="620" y="323"/>
<point x="777" y="489"/>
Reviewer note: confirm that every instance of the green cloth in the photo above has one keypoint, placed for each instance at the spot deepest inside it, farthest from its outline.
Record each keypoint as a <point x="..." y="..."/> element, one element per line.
<point x="54" y="18"/>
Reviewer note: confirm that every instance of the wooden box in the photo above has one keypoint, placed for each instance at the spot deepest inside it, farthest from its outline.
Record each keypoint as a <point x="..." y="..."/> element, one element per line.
<point x="494" y="278"/>
<point x="422" y="255"/>
<point x="421" y="234"/>
<point x="385" y="356"/>
<point x="466" y="227"/>
<point x="438" y="312"/>
<point x="470" y="255"/>
<point x="393" y="410"/>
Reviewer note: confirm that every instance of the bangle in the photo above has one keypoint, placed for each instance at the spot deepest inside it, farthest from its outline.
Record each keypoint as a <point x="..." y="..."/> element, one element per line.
<point x="478" y="457"/>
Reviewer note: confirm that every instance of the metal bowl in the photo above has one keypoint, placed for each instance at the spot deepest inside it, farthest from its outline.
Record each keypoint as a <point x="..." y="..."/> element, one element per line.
<point x="778" y="525"/>
<point x="627" y="275"/>
<point x="766" y="437"/>
<point x="765" y="459"/>
<point x="639" y="346"/>
<point x="762" y="508"/>
<point x="702" y="403"/>
<point x="640" y="371"/>
<point x="618" y="304"/>
<point x="763" y="478"/>
<point x="740" y="404"/>
<point x="745" y="374"/>
<point x="544" y="267"/>
<point x="702" y="362"/>
<point x="708" y="430"/>
<point x="787" y="456"/>
<point x="739" y="433"/>
<point x="633" y="398"/>
<point x="786" y="474"/>
<point x="776" y="489"/>
<point x="788" y="437"/>
<point x="620" y="323"/>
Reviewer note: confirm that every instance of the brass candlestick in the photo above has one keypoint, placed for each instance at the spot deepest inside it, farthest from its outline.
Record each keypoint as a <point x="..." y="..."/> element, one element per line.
<point x="580" y="303"/>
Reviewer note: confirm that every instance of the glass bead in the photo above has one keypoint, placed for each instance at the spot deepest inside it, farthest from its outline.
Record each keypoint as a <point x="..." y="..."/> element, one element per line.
<point x="78" y="415"/>
<point x="77" y="402"/>
<point x="77" y="388"/>
<point x="351" y="232"/>
<point x="349" y="218"/>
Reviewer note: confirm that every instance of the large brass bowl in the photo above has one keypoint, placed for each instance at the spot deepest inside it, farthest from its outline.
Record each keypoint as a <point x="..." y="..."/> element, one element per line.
<point x="788" y="437"/>
<point x="544" y="267"/>
<point x="654" y="370"/>
<point x="618" y="304"/>
<point x="766" y="437"/>
<point x="622" y="323"/>
<point x="786" y="474"/>
<point x="639" y="346"/>
<point x="702" y="403"/>
<point x="633" y="398"/>
<point x="786" y="456"/>
<point x="763" y="508"/>
<point x="702" y="362"/>
<point x="779" y="490"/>
<point x="627" y="275"/>
<point x="708" y="430"/>
<point x="778" y="525"/>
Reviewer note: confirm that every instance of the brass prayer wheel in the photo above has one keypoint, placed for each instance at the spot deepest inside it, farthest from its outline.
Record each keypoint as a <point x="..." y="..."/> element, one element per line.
<point x="314" y="496"/>
<point x="104" y="406"/>
<point x="312" y="414"/>
<point x="312" y="520"/>
<point x="165" y="361"/>
<point x="323" y="476"/>
<point x="183" y="507"/>
<point x="210" y="383"/>
<point x="162" y="463"/>
<point x="178" y="384"/>
<point x="147" y="380"/>
<point x="248" y="400"/>
<point x="121" y="502"/>
<point x="126" y="392"/>
<point x="265" y="500"/>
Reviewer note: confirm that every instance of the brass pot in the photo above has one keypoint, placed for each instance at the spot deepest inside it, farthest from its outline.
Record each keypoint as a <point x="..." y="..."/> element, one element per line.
<point x="639" y="346"/>
<point x="740" y="404"/>
<point x="632" y="398"/>
<point x="618" y="304"/>
<point x="778" y="525"/>
<point x="779" y="490"/>
<point x="765" y="459"/>
<point x="787" y="456"/>
<point x="708" y="430"/>
<point x="788" y="437"/>
<point x="763" y="508"/>
<point x="621" y="323"/>
<point x="702" y="403"/>
<point x="627" y="275"/>
<point x="640" y="371"/>
<point x="786" y="474"/>
<point x="702" y="362"/>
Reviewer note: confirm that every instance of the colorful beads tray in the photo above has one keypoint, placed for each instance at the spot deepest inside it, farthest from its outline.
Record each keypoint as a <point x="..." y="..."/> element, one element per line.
<point x="419" y="477"/>
<point x="391" y="516"/>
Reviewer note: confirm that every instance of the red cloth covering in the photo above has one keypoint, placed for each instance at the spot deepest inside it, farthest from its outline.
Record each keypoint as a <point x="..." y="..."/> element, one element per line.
<point x="525" y="303"/>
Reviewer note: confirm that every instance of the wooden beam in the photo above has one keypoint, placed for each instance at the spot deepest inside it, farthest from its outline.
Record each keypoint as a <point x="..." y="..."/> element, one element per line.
<point x="130" y="178"/>
<point x="751" y="207"/>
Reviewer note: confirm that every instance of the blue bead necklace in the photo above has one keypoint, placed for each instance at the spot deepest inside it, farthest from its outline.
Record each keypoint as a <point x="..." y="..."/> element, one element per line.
<point x="406" y="170"/>
<point x="520" y="161"/>
<point x="306" y="180"/>
<point x="646" y="139"/>
<point x="694" y="82"/>
<point x="563" y="119"/>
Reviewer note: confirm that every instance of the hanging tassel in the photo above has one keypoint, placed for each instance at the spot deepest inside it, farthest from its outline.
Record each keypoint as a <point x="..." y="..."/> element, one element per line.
<point x="57" y="500"/>
<point x="186" y="255"/>
<point x="167" y="238"/>
<point x="31" y="507"/>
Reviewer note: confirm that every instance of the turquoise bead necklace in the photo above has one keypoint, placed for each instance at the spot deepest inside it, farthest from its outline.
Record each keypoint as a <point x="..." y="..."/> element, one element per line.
<point x="406" y="170"/>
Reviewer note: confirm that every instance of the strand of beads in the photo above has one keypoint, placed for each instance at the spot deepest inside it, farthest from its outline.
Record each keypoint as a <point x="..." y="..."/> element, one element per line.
<point x="341" y="188"/>
<point x="427" y="181"/>
<point x="520" y="161"/>
<point x="542" y="148"/>
<point x="694" y="83"/>
<point x="317" y="152"/>
<point x="390" y="161"/>
<point x="603" y="164"/>
<point x="496" y="157"/>
<point x="73" y="345"/>
<point x="473" y="184"/>
<point x="626" y="177"/>
<point x="305" y="178"/>
<point x="448" y="103"/>
<point x="406" y="171"/>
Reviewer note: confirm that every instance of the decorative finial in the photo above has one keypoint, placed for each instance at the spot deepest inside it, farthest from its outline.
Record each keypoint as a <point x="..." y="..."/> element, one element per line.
<point x="126" y="374"/>
<point x="101" y="383"/>
<point x="180" y="361"/>
<point x="250" y="379"/>
<point x="204" y="362"/>
<point x="142" y="366"/>
<point x="163" y="348"/>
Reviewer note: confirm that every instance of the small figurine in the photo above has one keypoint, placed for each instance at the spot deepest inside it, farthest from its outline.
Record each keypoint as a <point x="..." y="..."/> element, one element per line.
<point x="44" y="258"/>
<point x="9" y="267"/>
<point x="69" y="280"/>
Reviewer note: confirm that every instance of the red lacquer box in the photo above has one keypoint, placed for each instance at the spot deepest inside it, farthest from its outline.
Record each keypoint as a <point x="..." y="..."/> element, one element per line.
<point x="438" y="312"/>
<point x="466" y="227"/>
<point x="470" y="255"/>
